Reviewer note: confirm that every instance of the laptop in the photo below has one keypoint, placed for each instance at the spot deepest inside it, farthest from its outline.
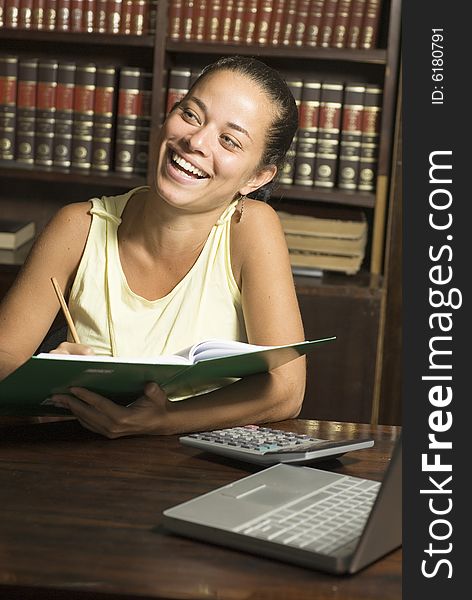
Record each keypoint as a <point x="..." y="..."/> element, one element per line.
<point x="310" y="517"/>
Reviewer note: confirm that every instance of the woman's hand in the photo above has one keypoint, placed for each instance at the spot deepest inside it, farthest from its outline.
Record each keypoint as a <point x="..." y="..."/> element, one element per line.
<point x="70" y="348"/>
<point x="144" y="416"/>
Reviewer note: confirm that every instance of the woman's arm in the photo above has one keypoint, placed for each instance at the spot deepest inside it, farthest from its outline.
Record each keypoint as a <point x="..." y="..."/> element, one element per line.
<point x="30" y="306"/>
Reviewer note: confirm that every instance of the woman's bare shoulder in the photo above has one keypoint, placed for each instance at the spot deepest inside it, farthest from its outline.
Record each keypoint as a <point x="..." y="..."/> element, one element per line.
<point x="257" y="226"/>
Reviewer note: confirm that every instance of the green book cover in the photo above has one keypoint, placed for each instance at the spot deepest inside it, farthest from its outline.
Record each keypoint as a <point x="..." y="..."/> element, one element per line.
<point x="26" y="390"/>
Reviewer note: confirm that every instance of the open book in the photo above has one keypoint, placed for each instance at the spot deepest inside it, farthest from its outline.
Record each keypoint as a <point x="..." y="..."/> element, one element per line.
<point x="203" y="367"/>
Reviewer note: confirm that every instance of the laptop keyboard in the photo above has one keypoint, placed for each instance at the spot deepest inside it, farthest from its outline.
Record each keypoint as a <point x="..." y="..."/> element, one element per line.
<point x="323" y="521"/>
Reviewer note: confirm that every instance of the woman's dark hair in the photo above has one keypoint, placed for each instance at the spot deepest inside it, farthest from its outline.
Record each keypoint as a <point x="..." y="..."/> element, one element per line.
<point x="285" y="123"/>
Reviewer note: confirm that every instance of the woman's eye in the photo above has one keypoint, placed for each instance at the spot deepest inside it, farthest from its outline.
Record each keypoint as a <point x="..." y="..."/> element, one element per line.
<point x="188" y="114"/>
<point x="229" y="142"/>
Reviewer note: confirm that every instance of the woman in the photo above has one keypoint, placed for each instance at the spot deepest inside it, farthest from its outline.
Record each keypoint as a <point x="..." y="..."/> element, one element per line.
<point x="189" y="258"/>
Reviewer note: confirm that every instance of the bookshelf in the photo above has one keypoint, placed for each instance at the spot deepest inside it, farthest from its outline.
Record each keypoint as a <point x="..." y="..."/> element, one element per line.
<point x="353" y="307"/>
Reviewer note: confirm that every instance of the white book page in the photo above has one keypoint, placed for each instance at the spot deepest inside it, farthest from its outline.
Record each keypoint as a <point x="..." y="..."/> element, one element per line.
<point x="159" y="360"/>
<point x="219" y="348"/>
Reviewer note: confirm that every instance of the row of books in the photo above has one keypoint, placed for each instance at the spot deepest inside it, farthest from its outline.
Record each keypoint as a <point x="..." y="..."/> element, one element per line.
<point x="314" y="23"/>
<point x="68" y="115"/>
<point x="324" y="244"/>
<point x="129" y="17"/>
<point x="338" y="137"/>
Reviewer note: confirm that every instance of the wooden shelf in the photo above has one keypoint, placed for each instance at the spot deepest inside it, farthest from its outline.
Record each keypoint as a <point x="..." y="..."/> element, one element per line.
<point x="92" y="39"/>
<point x="33" y="173"/>
<point x="329" y="196"/>
<point x="377" y="56"/>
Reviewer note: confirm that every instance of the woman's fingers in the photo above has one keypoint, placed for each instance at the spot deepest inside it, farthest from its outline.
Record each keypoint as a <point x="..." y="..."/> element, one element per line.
<point x="71" y="348"/>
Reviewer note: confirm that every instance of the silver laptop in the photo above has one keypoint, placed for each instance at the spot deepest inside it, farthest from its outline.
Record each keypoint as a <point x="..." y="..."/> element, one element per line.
<point x="310" y="517"/>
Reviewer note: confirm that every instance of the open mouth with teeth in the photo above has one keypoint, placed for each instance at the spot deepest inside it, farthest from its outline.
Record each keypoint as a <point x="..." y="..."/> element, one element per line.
<point x="186" y="168"/>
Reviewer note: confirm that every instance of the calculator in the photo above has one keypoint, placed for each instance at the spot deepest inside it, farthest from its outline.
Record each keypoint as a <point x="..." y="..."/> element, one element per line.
<point x="267" y="446"/>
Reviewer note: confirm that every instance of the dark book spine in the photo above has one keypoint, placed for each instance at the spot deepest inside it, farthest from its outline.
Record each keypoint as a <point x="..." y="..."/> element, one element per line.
<point x="143" y="124"/>
<point x="90" y="7"/>
<point x="313" y="26"/>
<point x="328" y="134"/>
<point x="301" y="19"/>
<point x="151" y="21"/>
<point x="39" y="10"/>
<point x="45" y="112"/>
<point x="77" y="20"/>
<point x="213" y="20"/>
<point x="341" y="22"/>
<point x="63" y="15"/>
<point x="100" y="16"/>
<point x="226" y="20"/>
<point x="199" y="20"/>
<point x="288" y="171"/>
<point x="103" y="118"/>
<point x="62" y="143"/>
<point x="187" y="20"/>
<point x="351" y="133"/>
<point x="179" y="83"/>
<point x="8" y="88"/>
<point x="237" y="28"/>
<point x="327" y="23"/>
<point x="26" y="110"/>
<point x="126" y="121"/>
<point x="50" y="15"/>
<point x="249" y="29"/>
<point x="275" y="24"/>
<point x="25" y="18"/>
<point x="288" y="23"/>
<point x="113" y="18"/>
<point x="175" y="16"/>
<point x="12" y="13"/>
<point x="307" y="135"/>
<point x="370" y="25"/>
<point x="370" y="138"/>
<point x="82" y="127"/>
<point x="355" y="23"/>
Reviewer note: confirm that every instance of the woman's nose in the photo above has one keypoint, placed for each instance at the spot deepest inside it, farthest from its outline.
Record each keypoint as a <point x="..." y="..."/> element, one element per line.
<point x="199" y="141"/>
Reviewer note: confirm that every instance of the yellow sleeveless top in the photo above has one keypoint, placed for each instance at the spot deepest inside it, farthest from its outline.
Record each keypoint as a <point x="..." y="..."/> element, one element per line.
<point x="115" y="321"/>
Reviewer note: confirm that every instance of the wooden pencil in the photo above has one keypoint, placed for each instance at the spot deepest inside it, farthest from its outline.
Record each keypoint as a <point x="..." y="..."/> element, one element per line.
<point x="65" y="310"/>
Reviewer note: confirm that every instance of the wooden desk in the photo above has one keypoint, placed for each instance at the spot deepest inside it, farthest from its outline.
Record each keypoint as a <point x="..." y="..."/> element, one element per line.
<point x="80" y="519"/>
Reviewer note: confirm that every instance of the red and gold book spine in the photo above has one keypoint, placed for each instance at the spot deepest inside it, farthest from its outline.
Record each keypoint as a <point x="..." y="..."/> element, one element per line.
<point x="25" y="18"/>
<point x="249" y="24"/>
<point x="187" y="20"/>
<point x="45" y="111"/>
<point x="226" y="21"/>
<point x="50" y="15"/>
<point x="236" y="35"/>
<point x="275" y="25"/>
<point x="178" y="86"/>
<point x="113" y="18"/>
<point x="370" y="138"/>
<point x="88" y="24"/>
<point x="2" y="13"/>
<point x="351" y="134"/>
<point x="327" y="23"/>
<point x="355" y="23"/>
<point x="82" y="127"/>
<point x="288" y="23"/>
<point x="313" y="26"/>
<point x="288" y="171"/>
<point x="126" y="14"/>
<point x="199" y="19"/>
<point x="103" y="118"/>
<point x="143" y="124"/>
<point x="62" y="143"/>
<point x="175" y="17"/>
<point x="8" y="87"/>
<point x="39" y="9"/>
<point x="301" y="19"/>
<point x="100" y="16"/>
<point x="370" y="25"/>
<point x="307" y="135"/>
<point x="63" y="15"/>
<point x="328" y="134"/>
<point x="77" y="21"/>
<point x="26" y="110"/>
<point x="12" y="13"/>
<point x="213" y="20"/>
<point x="341" y="22"/>
<point x="129" y="99"/>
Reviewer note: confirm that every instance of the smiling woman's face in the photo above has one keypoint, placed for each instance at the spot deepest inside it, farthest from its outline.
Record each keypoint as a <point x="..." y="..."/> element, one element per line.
<point x="211" y="144"/>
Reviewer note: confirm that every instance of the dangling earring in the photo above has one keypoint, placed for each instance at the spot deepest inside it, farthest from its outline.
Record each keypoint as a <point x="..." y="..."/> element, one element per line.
<point x="241" y="207"/>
